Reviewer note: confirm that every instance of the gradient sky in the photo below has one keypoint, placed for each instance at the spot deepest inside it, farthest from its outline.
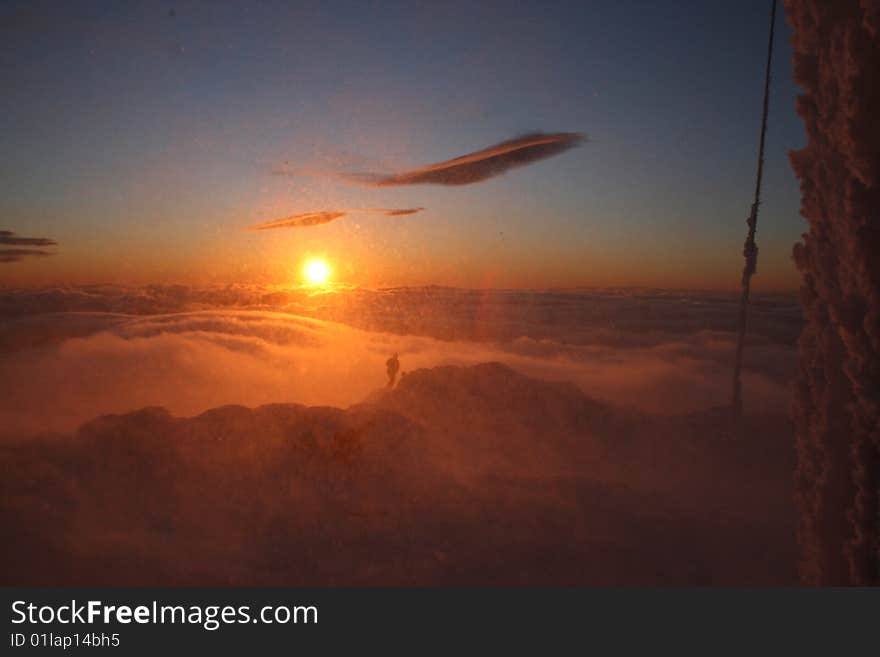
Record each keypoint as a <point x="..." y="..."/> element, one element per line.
<point x="143" y="138"/>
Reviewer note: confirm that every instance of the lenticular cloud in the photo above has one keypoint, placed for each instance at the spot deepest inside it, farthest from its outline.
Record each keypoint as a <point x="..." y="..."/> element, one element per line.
<point x="480" y="165"/>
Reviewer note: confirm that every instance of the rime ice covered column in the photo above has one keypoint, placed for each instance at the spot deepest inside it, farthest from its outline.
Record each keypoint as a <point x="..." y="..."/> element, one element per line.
<point x="837" y="405"/>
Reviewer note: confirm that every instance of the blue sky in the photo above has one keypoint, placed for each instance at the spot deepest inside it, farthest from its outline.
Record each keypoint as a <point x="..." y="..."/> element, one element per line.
<point x="143" y="137"/>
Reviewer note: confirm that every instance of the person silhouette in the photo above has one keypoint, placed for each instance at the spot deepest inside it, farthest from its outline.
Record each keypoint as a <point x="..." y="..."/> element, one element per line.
<point x="392" y="366"/>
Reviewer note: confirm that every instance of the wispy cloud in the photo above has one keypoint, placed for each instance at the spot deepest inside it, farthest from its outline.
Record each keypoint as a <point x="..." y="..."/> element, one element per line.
<point x="398" y="213"/>
<point x="326" y="216"/>
<point x="477" y="166"/>
<point x="193" y="360"/>
<point x="7" y="237"/>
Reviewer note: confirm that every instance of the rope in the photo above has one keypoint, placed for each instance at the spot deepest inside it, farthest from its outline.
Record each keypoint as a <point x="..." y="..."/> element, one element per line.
<point x="750" y="248"/>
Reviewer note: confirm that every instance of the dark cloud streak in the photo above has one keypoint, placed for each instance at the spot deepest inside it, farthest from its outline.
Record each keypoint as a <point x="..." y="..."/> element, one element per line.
<point x="326" y="216"/>
<point x="301" y="220"/>
<point x="15" y="255"/>
<point x="480" y="165"/>
<point x="8" y="237"/>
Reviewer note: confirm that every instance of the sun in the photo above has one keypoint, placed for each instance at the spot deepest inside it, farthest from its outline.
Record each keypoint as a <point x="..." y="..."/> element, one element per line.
<point x="316" y="271"/>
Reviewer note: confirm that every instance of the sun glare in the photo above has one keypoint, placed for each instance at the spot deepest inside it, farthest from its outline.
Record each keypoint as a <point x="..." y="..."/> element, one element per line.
<point x="316" y="271"/>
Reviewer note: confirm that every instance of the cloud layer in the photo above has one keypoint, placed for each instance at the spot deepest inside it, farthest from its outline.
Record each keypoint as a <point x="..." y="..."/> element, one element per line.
<point x="326" y="216"/>
<point x="477" y="166"/>
<point x="101" y="350"/>
<point x="521" y="427"/>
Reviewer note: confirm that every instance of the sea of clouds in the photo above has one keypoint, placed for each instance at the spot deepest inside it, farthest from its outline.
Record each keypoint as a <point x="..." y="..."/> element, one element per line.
<point x="172" y="435"/>
<point x="70" y="354"/>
